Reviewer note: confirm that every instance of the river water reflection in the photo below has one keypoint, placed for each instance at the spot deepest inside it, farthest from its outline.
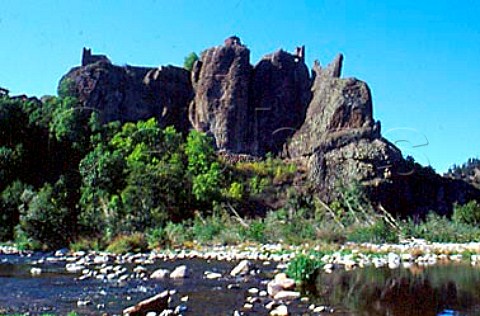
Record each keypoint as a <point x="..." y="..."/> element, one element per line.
<point x="435" y="290"/>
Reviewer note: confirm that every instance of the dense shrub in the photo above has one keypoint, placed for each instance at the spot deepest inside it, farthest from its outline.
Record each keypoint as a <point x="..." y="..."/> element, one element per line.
<point x="10" y="203"/>
<point x="46" y="218"/>
<point x="304" y="267"/>
<point x="378" y="232"/>
<point x="189" y="61"/>
<point x="438" y="228"/>
<point x="128" y="243"/>
<point x="467" y="214"/>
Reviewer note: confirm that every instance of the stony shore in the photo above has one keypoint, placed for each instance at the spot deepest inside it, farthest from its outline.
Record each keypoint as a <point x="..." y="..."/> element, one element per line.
<point x="277" y="294"/>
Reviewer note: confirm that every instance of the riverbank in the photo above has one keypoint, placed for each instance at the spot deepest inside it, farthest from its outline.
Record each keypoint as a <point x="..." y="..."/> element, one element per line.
<point x="413" y="250"/>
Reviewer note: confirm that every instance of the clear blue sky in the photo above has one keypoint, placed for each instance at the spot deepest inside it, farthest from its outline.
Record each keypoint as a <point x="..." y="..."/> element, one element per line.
<point x="420" y="58"/>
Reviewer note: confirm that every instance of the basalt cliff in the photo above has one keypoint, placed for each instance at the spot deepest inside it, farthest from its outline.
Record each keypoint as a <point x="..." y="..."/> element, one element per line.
<point x="314" y="117"/>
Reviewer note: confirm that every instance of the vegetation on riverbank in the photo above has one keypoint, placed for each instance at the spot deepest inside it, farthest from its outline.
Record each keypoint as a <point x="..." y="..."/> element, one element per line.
<point x="67" y="180"/>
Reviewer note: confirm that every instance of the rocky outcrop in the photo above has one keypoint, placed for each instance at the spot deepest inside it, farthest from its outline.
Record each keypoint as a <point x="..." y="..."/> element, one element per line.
<point x="221" y="80"/>
<point x="280" y="95"/>
<point x="339" y="139"/>
<point x="340" y="111"/>
<point x="323" y="122"/>
<point x="341" y="144"/>
<point x="132" y="93"/>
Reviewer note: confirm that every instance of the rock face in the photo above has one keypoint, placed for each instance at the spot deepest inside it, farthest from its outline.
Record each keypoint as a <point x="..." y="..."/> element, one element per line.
<point x="221" y="81"/>
<point x="279" y="99"/>
<point x="339" y="141"/>
<point x="132" y="93"/>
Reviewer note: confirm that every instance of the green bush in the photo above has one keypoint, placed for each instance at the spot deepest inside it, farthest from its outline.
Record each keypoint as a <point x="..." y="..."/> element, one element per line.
<point x="256" y="231"/>
<point x="303" y="268"/>
<point x="46" y="218"/>
<point x="378" y="232"/>
<point x="25" y="242"/>
<point x="436" y="228"/>
<point x="128" y="243"/>
<point x="177" y="233"/>
<point x="10" y="202"/>
<point x="467" y="214"/>
<point x="206" y="230"/>
<point x="87" y="244"/>
<point x="189" y="61"/>
<point x="155" y="237"/>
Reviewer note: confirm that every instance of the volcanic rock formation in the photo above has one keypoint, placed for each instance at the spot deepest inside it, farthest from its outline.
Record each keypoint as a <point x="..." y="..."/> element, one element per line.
<point x="323" y="122"/>
<point x="221" y="81"/>
<point x="132" y="93"/>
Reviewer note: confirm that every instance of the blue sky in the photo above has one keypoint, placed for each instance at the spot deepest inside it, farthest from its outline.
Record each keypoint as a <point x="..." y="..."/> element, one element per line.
<point x="420" y="58"/>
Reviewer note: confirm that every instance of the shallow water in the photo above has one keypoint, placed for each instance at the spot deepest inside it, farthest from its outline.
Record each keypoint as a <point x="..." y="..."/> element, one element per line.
<point x="58" y="292"/>
<point x="434" y="290"/>
<point x="437" y="290"/>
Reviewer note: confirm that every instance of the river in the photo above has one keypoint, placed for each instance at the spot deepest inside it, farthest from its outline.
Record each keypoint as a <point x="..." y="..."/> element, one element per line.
<point x="452" y="289"/>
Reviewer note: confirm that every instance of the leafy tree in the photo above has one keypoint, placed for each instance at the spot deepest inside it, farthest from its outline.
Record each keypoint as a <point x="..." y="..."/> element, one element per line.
<point x="10" y="203"/>
<point x="135" y="179"/>
<point x="46" y="217"/>
<point x="190" y="60"/>
<point x="468" y="213"/>
<point x="204" y="170"/>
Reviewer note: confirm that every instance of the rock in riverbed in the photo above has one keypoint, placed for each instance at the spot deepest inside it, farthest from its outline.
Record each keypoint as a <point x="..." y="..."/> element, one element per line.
<point x="157" y="303"/>
<point x="160" y="274"/>
<point x="242" y="268"/>
<point x="180" y="272"/>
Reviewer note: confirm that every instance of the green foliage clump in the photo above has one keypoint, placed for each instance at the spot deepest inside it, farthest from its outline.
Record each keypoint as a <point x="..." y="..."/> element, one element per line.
<point x="133" y="180"/>
<point x="10" y="204"/>
<point x="203" y="168"/>
<point x="438" y="228"/>
<point x="467" y="214"/>
<point x="378" y="232"/>
<point x="87" y="244"/>
<point x="46" y="218"/>
<point x="190" y="60"/>
<point x="66" y="88"/>
<point x="128" y="243"/>
<point x="303" y="267"/>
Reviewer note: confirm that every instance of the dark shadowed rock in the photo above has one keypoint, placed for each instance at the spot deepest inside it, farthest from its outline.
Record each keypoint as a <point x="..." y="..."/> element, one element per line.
<point x="279" y="97"/>
<point x="89" y="58"/>
<point x="221" y="80"/>
<point x="133" y="93"/>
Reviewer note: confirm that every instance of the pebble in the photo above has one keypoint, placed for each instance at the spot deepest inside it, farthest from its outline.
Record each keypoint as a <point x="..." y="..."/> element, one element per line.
<point x="212" y="275"/>
<point x="160" y="274"/>
<point x="179" y="272"/>
<point x="81" y="303"/>
<point x="35" y="271"/>
<point x="287" y="295"/>
<point x="253" y="290"/>
<point x="242" y="268"/>
<point x="281" y="310"/>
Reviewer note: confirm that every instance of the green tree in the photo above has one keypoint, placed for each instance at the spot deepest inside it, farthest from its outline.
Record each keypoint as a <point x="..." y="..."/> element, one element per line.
<point x="10" y="203"/>
<point x="203" y="168"/>
<point x="189" y="61"/>
<point x="135" y="180"/>
<point x="47" y="218"/>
